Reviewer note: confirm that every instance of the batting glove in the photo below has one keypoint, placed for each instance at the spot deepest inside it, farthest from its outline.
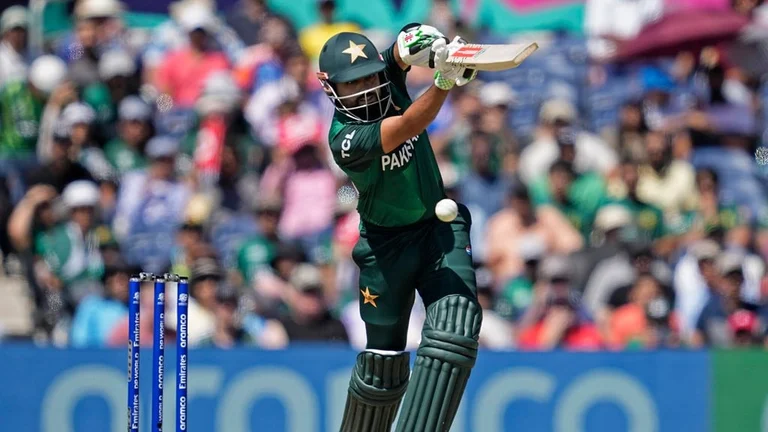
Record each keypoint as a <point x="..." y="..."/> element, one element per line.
<point x="414" y="44"/>
<point x="449" y="75"/>
<point x="457" y="75"/>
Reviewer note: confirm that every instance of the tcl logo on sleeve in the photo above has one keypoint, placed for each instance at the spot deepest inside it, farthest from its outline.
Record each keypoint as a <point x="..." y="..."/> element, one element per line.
<point x="347" y="144"/>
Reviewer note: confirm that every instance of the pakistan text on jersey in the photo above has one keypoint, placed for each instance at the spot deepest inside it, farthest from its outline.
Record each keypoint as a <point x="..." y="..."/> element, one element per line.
<point x="400" y="157"/>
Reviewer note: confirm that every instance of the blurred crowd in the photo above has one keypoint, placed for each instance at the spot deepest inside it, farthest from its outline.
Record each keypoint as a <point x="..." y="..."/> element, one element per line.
<point x="615" y="205"/>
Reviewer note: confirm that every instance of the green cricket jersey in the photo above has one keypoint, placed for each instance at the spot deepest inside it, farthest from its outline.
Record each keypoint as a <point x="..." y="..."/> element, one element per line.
<point x="649" y="219"/>
<point x="398" y="188"/>
<point x="515" y="298"/>
<point x="254" y="255"/>
<point x="123" y="157"/>
<point x="71" y="256"/>
<point x="585" y="196"/>
<point x="20" y="114"/>
<point x="727" y="218"/>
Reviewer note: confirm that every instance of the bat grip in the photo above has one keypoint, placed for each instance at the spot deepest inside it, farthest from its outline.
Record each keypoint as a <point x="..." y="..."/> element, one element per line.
<point x="432" y="54"/>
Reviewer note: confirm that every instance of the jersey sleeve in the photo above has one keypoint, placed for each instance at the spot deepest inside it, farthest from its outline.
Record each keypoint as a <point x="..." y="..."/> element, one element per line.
<point x="355" y="146"/>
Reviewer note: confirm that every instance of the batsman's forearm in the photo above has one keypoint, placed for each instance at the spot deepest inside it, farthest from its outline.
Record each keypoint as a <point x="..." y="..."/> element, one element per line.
<point x="397" y="129"/>
<point x="424" y="110"/>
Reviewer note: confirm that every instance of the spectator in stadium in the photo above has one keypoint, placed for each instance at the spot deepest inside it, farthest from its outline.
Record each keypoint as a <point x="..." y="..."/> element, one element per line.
<point x="293" y="90"/>
<point x="80" y="118"/>
<point x="747" y="329"/>
<point x="126" y="151"/>
<point x="712" y="214"/>
<point x="246" y="18"/>
<point x="482" y="190"/>
<point x="219" y="142"/>
<point x="666" y="182"/>
<point x="98" y="314"/>
<point x="62" y="167"/>
<point x="609" y="284"/>
<point x="644" y="322"/>
<point x="647" y="220"/>
<point x="117" y="80"/>
<point x="255" y="254"/>
<point x="172" y="35"/>
<point x="712" y="325"/>
<point x="517" y="220"/>
<point x="307" y="188"/>
<point x="496" y="332"/>
<point x="464" y="114"/>
<point x="14" y="24"/>
<point x="694" y="279"/>
<point x="71" y="263"/>
<point x="517" y="293"/>
<point x="595" y="266"/>
<point x="556" y="319"/>
<point x="235" y="327"/>
<point x="264" y="63"/>
<point x="205" y="280"/>
<point x="627" y="138"/>
<point x="156" y="187"/>
<point x="314" y="36"/>
<point x="497" y="99"/>
<point x="555" y="135"/>
<point x="21" y="107"/>
<point x="98" y="28"/>
<point x="32" y="216"/>
<point x="660" y="108"/>
<point x="577" y="196"/>
<point x="308" y="318"/>
<point x="182" y="73"/>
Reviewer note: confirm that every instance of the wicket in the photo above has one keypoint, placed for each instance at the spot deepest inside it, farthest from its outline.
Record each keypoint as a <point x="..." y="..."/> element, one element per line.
<point x="158" y="350"/>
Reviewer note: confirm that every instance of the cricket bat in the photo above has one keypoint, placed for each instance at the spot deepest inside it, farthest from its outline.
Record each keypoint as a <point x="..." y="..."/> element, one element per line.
<point x="491" y="58"/>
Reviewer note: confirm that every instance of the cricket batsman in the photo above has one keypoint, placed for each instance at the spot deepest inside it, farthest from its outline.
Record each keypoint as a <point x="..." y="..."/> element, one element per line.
<point x="378" y="137"/>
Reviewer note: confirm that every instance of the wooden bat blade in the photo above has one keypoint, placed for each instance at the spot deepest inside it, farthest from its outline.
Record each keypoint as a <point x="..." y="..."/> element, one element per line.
<point x="492" y="57"/>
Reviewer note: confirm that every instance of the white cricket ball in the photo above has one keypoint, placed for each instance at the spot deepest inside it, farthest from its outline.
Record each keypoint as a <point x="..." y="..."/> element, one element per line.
<point x="446" y="210"/>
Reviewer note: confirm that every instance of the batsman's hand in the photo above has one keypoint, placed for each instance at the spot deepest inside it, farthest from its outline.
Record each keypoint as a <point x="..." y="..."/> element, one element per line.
<point x="449" y="75"/>
<point x="414" y="44"/>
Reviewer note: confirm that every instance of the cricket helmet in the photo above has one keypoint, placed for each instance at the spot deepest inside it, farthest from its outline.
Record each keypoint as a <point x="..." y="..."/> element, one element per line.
<point x="348" y="57"/>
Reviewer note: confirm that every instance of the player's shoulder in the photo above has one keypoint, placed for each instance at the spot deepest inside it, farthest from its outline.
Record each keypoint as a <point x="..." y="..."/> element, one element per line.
<point x="345" y="131"/>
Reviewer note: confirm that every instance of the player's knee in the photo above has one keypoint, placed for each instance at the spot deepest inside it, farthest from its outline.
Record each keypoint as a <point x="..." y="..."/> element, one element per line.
<point x="451" y="330"/>
<point x="386" y="338"/>
<point x="380" y="377"/>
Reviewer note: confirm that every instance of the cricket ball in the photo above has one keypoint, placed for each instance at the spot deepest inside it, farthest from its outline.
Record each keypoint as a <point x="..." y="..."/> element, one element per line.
<point x="446" y="210"/>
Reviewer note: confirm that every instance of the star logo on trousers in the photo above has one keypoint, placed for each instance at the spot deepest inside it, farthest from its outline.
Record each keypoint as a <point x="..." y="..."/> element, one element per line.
<point x="368" y="297"/>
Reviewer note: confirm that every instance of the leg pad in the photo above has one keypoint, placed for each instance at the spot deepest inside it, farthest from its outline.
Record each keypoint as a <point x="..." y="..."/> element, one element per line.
<point x="444" y="361"/>
<point x="375" y="391"/>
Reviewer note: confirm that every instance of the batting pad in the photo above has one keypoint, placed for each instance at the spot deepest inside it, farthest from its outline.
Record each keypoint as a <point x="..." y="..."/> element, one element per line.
<point x="444" y="361"/>
<point x="375" y="390"/>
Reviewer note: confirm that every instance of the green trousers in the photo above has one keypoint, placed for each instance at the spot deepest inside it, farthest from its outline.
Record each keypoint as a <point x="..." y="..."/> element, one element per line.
<point x="431" y="257"/>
